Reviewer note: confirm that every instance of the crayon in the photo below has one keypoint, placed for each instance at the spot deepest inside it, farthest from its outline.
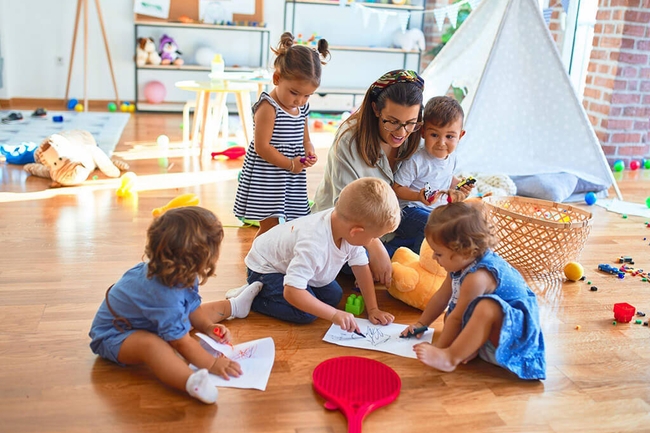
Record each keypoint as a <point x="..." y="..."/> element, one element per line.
<point x="359" y="333"/>
<point x="415" y="332"/>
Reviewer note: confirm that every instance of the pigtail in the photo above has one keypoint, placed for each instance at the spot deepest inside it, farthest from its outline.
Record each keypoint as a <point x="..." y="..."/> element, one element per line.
<point x="286" y="41"/>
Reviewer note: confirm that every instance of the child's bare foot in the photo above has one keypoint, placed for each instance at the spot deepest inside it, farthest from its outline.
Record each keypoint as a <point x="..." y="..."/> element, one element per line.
<point x="434" y="357"/>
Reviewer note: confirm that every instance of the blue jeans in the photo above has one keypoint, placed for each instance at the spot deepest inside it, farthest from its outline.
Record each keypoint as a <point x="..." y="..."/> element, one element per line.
<point x="270" y="301"/>
<point x="410" y="232"/>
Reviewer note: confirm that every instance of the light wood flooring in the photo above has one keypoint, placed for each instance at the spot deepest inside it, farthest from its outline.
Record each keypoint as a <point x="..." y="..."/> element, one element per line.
<point x="60" y="249"/>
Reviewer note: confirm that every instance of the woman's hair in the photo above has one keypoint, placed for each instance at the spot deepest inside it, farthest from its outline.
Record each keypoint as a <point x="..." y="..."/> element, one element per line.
<point x="369" y="202"/>
<point x="183" y="244"/>
<point x="442" y="110"/>
<point x="463" y="227"/>
<point x="299" y="62"/>
<point x="404" y="93"/>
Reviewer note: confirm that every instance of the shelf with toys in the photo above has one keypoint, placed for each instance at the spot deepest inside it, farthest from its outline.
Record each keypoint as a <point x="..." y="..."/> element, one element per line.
<point x="375" y="36"/>
<point x="241" y="40"/>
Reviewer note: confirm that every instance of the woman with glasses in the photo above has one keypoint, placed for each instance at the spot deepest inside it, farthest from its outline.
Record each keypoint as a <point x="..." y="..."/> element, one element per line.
<point x="373" y="142"/>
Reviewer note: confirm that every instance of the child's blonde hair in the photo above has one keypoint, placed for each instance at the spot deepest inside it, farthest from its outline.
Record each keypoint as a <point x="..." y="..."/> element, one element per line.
<point x="183" y="244"/>
<point x="370" y="202"/>
<point x="463" y="227"/>
<point x="442" y="110"/>
<point x="299" y="62"/>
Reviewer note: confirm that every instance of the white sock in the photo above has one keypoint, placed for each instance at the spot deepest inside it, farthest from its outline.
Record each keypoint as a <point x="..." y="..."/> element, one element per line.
<point x="198" y="386"/>
<point x="240" y="305"/>
<point x="233" y="293"/>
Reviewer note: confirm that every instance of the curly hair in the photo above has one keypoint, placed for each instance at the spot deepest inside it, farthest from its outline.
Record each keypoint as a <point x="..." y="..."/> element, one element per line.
<point x="299" y="62"/>
<point x="463" y="227"/>
<point x="183" y="245"/>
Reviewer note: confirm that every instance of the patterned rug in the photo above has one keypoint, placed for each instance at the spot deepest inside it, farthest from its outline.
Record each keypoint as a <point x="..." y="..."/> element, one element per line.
<point x="105" y="127"/>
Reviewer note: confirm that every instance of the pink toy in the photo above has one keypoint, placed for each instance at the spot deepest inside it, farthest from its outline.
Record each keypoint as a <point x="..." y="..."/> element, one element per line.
<point x="169" y="53"/>
<point x="154" y="92"/>
<point x="356" y="386"/>
<point x="623" y="312"/>
<point x="634" y="164"/>
<point x="231" y="153"/>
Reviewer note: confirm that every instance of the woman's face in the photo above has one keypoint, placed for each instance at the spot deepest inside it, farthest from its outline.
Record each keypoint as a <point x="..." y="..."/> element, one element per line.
<point x="395" y="121"/>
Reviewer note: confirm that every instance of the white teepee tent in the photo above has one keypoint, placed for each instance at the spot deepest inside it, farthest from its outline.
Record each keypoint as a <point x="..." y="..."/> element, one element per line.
<point x="523" y="117"/>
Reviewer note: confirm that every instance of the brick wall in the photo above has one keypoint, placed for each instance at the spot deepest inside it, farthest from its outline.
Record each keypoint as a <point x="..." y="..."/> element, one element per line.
<point x="617" y="94"/>
<point x="430" y="30"/>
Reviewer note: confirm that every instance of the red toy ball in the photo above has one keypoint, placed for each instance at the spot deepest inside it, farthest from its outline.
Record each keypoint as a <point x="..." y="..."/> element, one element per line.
<point x="634" y="165"/>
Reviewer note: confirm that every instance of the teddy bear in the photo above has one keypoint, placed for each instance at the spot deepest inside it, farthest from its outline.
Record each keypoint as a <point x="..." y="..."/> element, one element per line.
<point x="145" y="52"/>
<point x="415" y="278"/>
<point x="169" y="51"/>
<point x="69" y="157"/>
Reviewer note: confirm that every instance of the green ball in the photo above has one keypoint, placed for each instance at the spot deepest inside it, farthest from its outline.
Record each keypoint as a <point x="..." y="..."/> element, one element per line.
<point x="647" y="202"/>
<point x="619" y="165"/>
<point x="112" y="107"/>
<point x="646" y="164"/>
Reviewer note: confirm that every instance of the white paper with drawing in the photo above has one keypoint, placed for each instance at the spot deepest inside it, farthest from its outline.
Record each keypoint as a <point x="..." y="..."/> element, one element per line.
<point x="255" y="358"/>
<point x="378" y="337"/>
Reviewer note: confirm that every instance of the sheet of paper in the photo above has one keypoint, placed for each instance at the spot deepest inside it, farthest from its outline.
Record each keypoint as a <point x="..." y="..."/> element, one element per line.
<point x="625" y="207"/>
<point x="255" y="358"/>
<point x="153" y="8"/>
<point x="378" y="337"/>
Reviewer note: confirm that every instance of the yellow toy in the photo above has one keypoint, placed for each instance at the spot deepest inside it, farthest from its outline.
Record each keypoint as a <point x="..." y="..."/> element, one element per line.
<point x="180" y="201"/>
<point x="416" y="278"/>
<point x="128" y="183"/>
<point x="573" y="271"/>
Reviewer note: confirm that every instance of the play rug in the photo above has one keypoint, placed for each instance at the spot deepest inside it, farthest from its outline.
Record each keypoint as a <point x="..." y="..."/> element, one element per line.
<point x="105" y="127"/>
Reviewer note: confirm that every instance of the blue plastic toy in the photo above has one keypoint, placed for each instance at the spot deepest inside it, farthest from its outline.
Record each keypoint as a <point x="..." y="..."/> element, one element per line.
<point x="20" y="154"/>
<point x="72" y="103"/>
<point x="590" y="198"/>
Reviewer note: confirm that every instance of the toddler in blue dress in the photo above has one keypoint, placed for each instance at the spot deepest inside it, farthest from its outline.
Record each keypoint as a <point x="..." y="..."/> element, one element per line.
<point x="491" y="311"/>
<point x="148" y="313"/>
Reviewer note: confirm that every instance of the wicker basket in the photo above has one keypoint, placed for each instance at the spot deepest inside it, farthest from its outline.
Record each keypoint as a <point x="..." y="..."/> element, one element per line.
<point x="538" y="236"/>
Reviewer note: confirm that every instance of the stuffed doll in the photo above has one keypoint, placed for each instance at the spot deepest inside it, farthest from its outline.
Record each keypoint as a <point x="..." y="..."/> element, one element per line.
<point x="415" y="278"/>
<point x="69" y="157"/>
<point x="169" y="51"/>
<point x="410" y="40"/>
<point x="145" y="52"/>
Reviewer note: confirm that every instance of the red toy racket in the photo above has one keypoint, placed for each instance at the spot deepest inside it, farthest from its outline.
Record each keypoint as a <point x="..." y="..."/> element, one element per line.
<point x="356" y="386"/>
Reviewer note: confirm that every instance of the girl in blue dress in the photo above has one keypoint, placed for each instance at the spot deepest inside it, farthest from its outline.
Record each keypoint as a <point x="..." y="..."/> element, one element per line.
<point x="273" y="182"/>
<point x="148" y="313"/>
<point x="491" y="311"/>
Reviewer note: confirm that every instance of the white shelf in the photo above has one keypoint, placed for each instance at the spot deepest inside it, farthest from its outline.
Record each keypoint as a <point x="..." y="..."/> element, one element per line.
<point x="368" y="4"/>
<point x="196" y="68"/>
<point x="340" y="91"/>
<point x="372" y="49"/>
<point x="200" y="26"/>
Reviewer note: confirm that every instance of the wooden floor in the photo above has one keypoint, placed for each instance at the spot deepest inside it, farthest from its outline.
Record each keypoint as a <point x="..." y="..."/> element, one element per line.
<point x="62" y="248"/>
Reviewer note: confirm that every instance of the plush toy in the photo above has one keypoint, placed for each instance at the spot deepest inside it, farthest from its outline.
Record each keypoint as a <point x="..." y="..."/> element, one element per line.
<point x="169" y="51"/>
<point x="409" y="40"/>
<point x="145" y="52"/>
<point x="69" y="157"/>
<point x="416" y="278"/>
<point x="182" y="200"/>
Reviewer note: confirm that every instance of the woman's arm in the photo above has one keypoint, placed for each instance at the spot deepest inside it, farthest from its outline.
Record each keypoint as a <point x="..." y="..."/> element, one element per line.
<point x="379" y="261"/>
<point x="264" y="124"/>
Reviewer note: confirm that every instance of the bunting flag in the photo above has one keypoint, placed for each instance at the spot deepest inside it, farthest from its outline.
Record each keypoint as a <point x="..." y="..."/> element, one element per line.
<point x="439" y="16"/>
<point x="382" y="20"/>
<point x="403" y="18"/>
<point x="452" y="14"/>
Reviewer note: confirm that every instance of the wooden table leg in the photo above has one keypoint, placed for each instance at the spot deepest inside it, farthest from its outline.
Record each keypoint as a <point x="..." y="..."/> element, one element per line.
<point x="204" y="115"/>
<point x="245" y="111"/>
<point x="196" y="124"/>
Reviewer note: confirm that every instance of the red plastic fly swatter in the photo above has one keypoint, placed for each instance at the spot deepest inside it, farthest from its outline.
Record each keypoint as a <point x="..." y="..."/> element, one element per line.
<point x="356" y="386"/>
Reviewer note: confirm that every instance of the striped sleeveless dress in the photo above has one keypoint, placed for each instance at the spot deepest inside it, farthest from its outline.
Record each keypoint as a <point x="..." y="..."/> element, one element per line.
<point x="268" y="191"/>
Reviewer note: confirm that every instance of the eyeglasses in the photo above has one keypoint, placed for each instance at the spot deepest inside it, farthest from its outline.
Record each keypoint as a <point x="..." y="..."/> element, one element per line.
<point x="394" y="125"/>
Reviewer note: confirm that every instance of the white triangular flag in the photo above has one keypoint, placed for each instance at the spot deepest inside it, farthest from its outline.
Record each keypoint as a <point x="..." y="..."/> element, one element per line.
<point x="439" y="15"/>
<point x="452" y="13"/>
<point x="383" y="17"/>
<point x="403" y="18"/>
<point x="365" y="16"/>
<point x="474" y="3"/>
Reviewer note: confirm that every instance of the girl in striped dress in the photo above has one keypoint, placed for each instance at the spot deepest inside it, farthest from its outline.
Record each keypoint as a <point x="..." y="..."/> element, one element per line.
<point x="273" y="182"/>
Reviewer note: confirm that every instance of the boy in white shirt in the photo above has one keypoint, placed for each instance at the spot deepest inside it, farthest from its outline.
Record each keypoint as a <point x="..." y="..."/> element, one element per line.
<point x="297" y="262"/>
<point x="432" y="164"/>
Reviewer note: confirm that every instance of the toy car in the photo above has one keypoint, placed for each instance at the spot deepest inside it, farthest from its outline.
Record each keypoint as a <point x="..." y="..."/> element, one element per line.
<point x="604" y="267"/>
<point x="467" y="181"/>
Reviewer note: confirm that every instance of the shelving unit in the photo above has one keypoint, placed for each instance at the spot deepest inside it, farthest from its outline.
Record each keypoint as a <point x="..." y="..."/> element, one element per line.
<point x="296" y="14"/>
<point x="264" y="41"/>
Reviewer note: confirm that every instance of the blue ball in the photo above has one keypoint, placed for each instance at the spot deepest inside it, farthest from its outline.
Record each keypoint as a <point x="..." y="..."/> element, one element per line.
<point x="590" y="198"/>
<point x="72" y="103"/>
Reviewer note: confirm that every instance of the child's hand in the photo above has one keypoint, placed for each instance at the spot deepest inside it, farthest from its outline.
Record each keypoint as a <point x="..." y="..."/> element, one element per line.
<point x="309" y="160"/>
<point x="422" y="196"/>
<point x="224" y="367"/>
<point x="466" y="189"/>
<point x="297" y="166"/>
<point x="345" y="320"/>
<point x="410" y="331"/>
<point x="220" y="333"/>
<point x="382" y="317"/>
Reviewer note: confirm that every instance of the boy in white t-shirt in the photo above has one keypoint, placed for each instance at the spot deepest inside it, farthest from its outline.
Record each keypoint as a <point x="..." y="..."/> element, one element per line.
<point x="297" y="262"/>
<point x="432" y="164"/>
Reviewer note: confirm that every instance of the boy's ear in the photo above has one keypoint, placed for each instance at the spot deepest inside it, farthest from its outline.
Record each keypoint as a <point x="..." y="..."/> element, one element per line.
<point x="461" y="134"/>
<point x="356" y="229"/>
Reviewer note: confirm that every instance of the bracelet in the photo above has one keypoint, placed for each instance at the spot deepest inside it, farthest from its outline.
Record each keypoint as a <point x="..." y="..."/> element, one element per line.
<point x="292" y="165"/>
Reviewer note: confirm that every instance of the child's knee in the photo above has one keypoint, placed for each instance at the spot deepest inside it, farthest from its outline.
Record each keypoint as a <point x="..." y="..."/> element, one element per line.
<point x="488" y="310"/>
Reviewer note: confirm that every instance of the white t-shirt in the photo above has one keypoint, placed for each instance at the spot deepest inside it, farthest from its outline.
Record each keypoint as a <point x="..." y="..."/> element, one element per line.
<point x="422" y="168"/>
<point x="303" y="250"/>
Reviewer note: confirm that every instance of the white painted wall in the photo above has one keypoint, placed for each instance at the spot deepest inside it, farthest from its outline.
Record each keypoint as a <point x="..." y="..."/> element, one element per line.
<point x="3" y="89"/>
<point x="36" y="38"/>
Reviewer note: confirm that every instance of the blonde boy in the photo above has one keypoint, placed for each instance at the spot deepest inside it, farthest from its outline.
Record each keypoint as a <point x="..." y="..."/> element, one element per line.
<point x="297" y="262"/>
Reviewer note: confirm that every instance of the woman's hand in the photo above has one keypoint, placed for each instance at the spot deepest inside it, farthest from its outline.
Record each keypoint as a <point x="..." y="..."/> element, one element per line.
<point x="379" y="262"/>
<point x="376" y="316"/>
<point x="219" y="333"/>
<point x="225" y="368"/>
